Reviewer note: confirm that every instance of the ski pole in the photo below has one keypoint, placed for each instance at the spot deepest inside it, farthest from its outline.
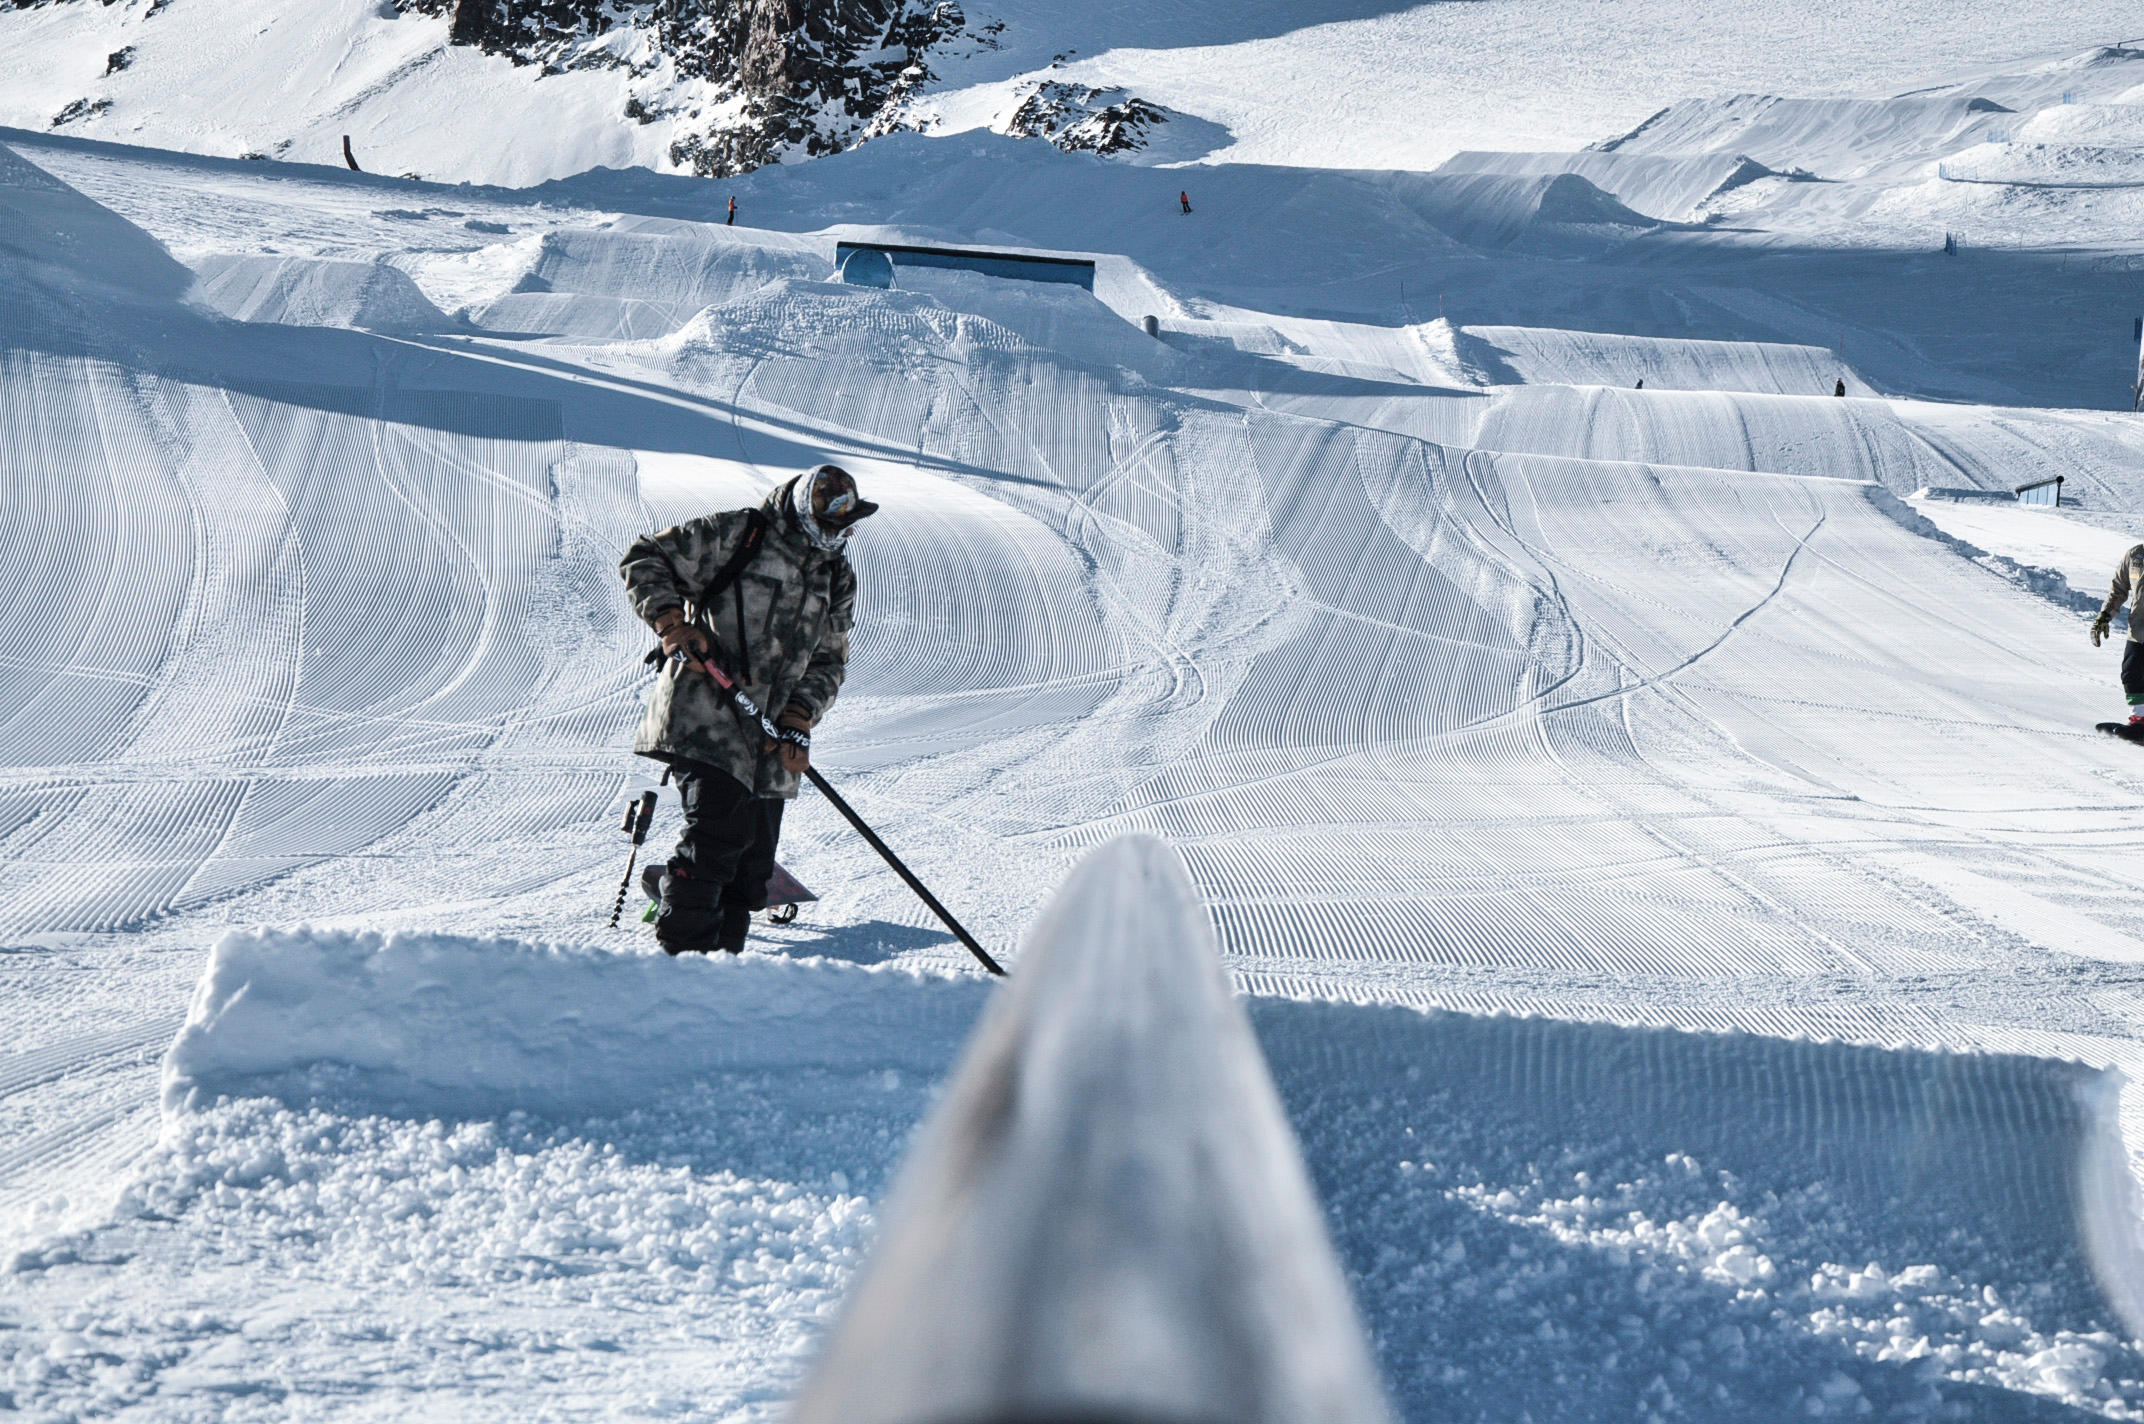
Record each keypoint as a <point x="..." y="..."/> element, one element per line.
<point x="743" y="702"/>
<point x="637" y="816"/>
<point x="922" y="891"/>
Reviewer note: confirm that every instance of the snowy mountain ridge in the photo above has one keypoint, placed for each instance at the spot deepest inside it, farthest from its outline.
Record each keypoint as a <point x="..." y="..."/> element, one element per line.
<point x="520" y="91"/>
<point x="738" y="84"/>
<point x="719" y="88"/>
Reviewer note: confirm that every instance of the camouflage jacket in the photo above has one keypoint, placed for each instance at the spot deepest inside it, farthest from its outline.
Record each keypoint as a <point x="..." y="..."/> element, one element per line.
<point x="2128" y="590"/>
<point x="782" y="630"/>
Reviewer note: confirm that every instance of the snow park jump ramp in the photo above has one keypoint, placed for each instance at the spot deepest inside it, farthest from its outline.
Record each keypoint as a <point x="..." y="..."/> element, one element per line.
<point x="1690" y="922"/>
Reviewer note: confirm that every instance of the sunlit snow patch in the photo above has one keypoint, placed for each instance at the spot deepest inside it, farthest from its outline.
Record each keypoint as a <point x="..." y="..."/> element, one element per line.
<point x="2069" y="560"/>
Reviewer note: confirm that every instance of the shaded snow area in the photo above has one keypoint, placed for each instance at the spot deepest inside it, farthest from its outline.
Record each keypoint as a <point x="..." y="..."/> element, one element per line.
<point x="1689" y="917"/>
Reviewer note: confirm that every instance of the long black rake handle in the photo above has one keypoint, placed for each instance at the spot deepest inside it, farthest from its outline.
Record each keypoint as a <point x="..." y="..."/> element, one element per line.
<point x="753" y="713"/>
<point x="922" y="891"/>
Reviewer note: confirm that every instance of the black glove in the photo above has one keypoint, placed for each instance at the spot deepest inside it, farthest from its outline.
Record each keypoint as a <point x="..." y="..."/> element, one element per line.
<point x="795" y="759"/>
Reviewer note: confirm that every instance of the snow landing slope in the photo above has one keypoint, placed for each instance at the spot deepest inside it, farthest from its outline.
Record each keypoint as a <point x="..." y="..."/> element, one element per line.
<point x="1512" y="720"/>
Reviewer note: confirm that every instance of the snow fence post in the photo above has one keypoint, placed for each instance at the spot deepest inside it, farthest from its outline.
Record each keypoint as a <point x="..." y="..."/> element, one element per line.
<point x="1106" y="1217"/>
<point x="2136" y="386"/>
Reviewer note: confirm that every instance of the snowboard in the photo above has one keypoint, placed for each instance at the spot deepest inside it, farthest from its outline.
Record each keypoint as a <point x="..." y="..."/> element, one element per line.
<point x="784" y="893"/>
<point x="2127" y="731"/>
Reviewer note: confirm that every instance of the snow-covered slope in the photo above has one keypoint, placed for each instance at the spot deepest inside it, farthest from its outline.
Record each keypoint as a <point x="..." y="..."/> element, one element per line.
<point x="1513" y="721"/>
<point x="527" y="90"/>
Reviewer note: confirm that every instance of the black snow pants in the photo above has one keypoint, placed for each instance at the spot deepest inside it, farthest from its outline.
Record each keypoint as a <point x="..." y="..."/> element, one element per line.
<point x="2133" y="674"/>
<point x="718" y="874"/>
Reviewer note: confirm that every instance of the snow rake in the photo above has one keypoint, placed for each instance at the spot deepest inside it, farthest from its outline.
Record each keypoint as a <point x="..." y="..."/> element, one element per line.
<point x="754" y="715"/>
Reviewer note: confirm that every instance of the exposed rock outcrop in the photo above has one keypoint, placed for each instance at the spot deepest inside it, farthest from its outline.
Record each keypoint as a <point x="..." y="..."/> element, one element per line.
<point x="744" y="82"/>
<point x="1082" y="119"/>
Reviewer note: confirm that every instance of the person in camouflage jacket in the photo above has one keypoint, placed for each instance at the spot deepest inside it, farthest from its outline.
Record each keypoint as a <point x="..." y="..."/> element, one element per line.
<point x="780" y="628"/>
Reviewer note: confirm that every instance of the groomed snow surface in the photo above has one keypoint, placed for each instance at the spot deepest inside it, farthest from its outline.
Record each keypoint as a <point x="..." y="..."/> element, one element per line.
<point x="1690" y="921"/>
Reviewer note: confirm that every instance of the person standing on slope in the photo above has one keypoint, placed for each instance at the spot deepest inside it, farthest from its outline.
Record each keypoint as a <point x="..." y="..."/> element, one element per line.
<point x="2128" y="588"/>
<point x="767" y="595"/>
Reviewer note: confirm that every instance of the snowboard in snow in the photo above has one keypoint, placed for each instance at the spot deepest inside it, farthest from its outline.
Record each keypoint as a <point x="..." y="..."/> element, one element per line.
<point x="784" y="893"/>
<point x="2127" y="731"/>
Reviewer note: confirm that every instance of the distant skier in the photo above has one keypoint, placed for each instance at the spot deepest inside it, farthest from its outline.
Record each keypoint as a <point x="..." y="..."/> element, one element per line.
<point x="732" y="221"/>
<point x="2128" y="587"/>
<point x="767" y="595"/>
<point x="1184" y="197"/>
<point x="1839" y="387"/>
<point x="1641" y="384"/>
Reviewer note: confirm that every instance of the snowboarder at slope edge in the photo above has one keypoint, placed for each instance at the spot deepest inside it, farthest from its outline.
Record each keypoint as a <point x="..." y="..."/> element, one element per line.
<point x="773" y="609"/>
<point x="2128" y="587"/>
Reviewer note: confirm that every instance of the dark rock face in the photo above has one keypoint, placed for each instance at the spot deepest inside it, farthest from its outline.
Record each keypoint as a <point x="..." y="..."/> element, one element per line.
<point x="791" y="77"/>
<point x="817" y="76"/>
<point x="80" y="109"/>
<point x="1080" y="119"/>
<point x="737" y="84"/>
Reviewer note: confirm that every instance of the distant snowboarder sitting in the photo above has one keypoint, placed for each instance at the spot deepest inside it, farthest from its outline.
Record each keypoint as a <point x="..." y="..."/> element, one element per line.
<point x="2128" y="587"/>
<point x="766" y="594"/>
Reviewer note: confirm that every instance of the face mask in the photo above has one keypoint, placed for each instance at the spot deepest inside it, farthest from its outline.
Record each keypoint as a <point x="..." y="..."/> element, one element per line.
<point x="822" y="538"/>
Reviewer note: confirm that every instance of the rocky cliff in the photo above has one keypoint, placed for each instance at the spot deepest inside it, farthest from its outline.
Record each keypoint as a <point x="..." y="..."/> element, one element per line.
<point x="742" y="82"/>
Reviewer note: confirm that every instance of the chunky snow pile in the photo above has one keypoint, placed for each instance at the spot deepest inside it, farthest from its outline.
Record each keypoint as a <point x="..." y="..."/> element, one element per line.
<point x="1716" y="1227"/>
<point x="452" y="1026"/>
<point x="588" y="1166"/>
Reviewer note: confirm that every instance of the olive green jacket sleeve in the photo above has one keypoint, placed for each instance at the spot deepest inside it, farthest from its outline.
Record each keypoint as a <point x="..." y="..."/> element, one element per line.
<point x="2128" y="577"/>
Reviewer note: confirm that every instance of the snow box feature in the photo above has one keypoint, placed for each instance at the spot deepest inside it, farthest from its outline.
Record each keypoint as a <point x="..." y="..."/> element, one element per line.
<point x="1078" y="271"/>
<point x="867" y="267"/>
<point x="1107" y="1216"/>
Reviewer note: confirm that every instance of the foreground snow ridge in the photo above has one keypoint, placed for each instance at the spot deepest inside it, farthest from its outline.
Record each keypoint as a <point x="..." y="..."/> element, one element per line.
<point x="1107" y="1216"/>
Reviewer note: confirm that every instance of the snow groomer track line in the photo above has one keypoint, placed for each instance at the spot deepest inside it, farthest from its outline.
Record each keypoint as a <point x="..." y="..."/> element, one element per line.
<point x="1675" y="881"/>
